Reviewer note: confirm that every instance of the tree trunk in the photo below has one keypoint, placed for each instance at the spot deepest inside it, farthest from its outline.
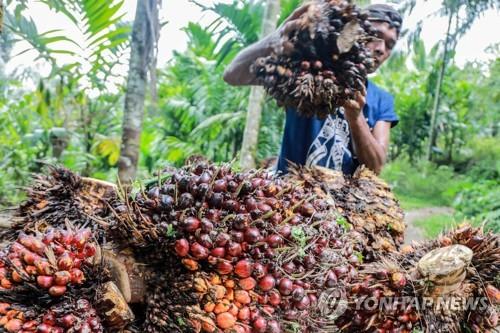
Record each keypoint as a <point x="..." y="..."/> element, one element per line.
<point x="143" y="44"/>
<point x="437" y="94"/>
<point x="251" y="133"/>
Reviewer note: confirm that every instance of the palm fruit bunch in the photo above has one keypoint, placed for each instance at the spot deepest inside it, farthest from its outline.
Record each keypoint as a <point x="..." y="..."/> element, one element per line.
<point x="57" y="281"/>
<point x="329" y="62"/>
<point x="427" y="287"/>
<point x="235" y="252"/>
<point x="60" y="196"/>
<point x="365" y="201"/>
<point x="68" y="316"/>
<point x="46" y="264"/>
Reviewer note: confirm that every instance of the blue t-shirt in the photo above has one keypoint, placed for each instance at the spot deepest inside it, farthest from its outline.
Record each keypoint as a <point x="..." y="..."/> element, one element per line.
<point x="327" y="142"/>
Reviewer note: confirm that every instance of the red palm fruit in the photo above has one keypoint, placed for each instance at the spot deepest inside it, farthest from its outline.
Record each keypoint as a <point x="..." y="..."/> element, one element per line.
<point x="222" y="239"/>
<point x="68" y="321"/>
<point x="77" y="263"/>
<point x="17" y="247"/>
<point x="190" y="264"/>
<point x="198" y="251"/>
<point x="224" y="267"/>
<point x="4" y="307"/>
<point x="77" y="276"/>
<point x="37" y="246"/>
<point x="274" y="240"/>
<point x="57" y="291"/>
<point x="260" y="325"/>
<point x="234" y="249"/>
<point x="30" y="326"/>
<point x="44" y="328"/>
<point x="218" y="252"/>
<point x="62" y="278"/>
<point x="274" y="298"/>
<point x="225" y="320"/>
<point x="89" y="250"/>
<point x="80" y="238"/>
<point x="244" y="313"/>
<point x="252" y="235"/>
<point x="16" y="277"/>
<point x="248" y="283"/>
<point x="298" y="293"/>
<point x="49" y="318"/>
<point x="45" y="281"/>
<point x="190" y="224"/>
<point x="243" y="268"/>
<point x="58" y="249"/>
<point x="259" y="270"/>
<point x="267" y="283"/>
<point x="29" y="257"/>
<point x="65" y="262"/>
<point x="493" y="294"/>
<point x="182" y="247"/>
<point x="313" y="299"/>
<point x="31" y="270"/>
<point x="285" y="286"/>
<point x="25" y="240"/>
<point x="303" y="303"/>
<point x="242" y="297"/>
<point x="48" y="236"/>
<point x="398" y="280"/>
<point x="13" y="326"/>
<point x="5" y="283"/>
<point x="273" y="326"/>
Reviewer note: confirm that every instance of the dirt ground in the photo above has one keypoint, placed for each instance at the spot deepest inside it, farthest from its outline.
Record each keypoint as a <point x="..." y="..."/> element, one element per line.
<point x="414" y="233"/>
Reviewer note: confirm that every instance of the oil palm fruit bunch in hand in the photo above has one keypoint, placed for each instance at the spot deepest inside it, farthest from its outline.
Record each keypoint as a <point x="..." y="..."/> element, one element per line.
<point x="328" y="63"/>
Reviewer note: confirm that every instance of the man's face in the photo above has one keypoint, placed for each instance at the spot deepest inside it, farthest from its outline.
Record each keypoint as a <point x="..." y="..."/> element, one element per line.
<point x="382" y="46"/>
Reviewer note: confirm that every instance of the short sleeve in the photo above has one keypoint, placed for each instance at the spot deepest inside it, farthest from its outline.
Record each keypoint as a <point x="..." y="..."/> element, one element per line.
<point x="386" y="110"/>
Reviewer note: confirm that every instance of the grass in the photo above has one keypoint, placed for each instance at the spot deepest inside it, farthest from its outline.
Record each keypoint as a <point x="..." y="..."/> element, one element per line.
<point x="409" y="203"/>
<point x="434" y="225"/>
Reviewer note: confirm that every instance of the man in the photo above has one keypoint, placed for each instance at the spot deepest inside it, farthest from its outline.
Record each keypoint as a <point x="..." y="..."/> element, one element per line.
<point x="359" y="131"/>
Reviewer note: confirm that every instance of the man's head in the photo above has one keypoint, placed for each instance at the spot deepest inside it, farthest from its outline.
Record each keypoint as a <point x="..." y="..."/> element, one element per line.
<point x="387" y="21"/>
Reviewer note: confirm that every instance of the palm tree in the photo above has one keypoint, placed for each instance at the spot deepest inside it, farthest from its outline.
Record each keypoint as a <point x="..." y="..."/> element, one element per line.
<point x="473" y="9"/>
<point x="143" y="51"/>
<point x="251" y="133"/>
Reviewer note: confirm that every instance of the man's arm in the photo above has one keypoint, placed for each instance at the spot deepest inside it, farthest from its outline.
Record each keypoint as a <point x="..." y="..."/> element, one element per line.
<point x="238" y="72"/>
<point x="370" y="146"/>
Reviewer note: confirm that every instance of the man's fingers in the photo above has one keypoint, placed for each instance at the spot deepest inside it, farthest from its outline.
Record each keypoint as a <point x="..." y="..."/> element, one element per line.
<point x="287" y="48"/>
<point x="360" y="98"/>
<point x="290" y="27"/>
<point x="299" y="11"/>
<point x="363" y="91"/>
<point x="351" y="105"/>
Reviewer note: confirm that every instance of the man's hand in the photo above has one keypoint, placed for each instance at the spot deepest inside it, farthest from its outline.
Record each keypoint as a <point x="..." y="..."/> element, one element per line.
<point x="354" y="107"/>
<point x="370" y="145"/>
<point x="238" y="72"/>
<point x="279" y="40"/>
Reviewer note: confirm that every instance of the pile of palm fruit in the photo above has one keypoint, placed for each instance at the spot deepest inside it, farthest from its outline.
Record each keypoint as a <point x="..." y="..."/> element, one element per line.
<point x="206" y="249"/>
<point x="365" y="201"/>
<point x="245" y="252"/>
<point x="329" y="62"/>
<point x="436" y="279"/>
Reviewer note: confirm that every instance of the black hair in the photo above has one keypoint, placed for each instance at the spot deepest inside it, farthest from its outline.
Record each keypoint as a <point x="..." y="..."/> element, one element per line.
<point x="385" y="13"/>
